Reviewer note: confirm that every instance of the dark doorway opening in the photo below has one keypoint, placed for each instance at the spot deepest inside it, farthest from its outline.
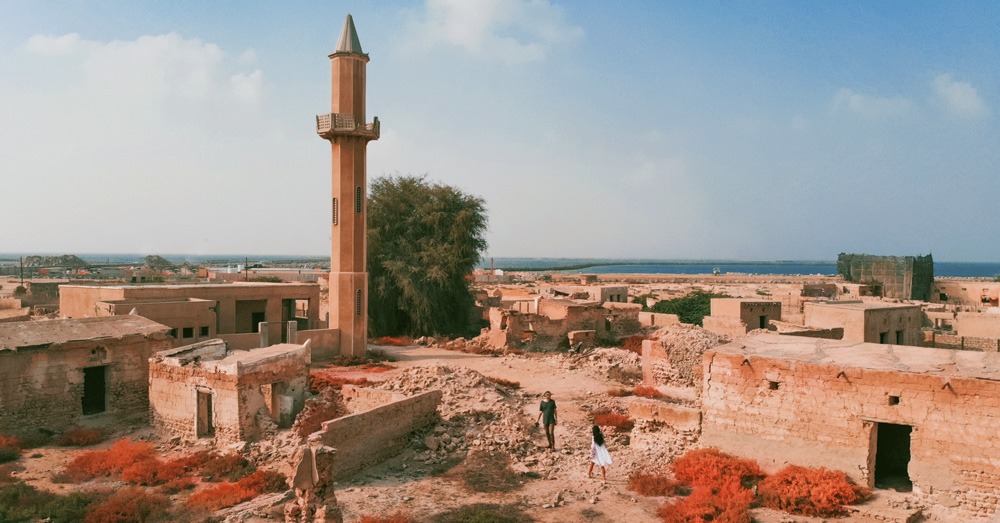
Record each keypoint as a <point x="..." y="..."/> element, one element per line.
<point x="892" y="457"/>
<point x="94" y="390"/>
<point x="255" y="320"/>
<point x="204" y="425"/>
<point x="763" y="322"/>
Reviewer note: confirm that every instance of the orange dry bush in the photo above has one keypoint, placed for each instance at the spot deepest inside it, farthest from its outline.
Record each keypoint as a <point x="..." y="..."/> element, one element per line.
<point x="634" y="344"/>
<point x="216" y="467"/>
<point x="713" y="469"/>
<point x="620" y="392"/>
<point x="398" y="517"/>
<point x="321" y="380"/>
<point x="729" y="503"/>
<point x="505" y="383"/>
<point x="128" y="505"/>
<point x="80" y="437"/>
<point x="123" y="454"/>
<point x="655" y="485"/>
<point x="402" y="341"/>
<point x="10" y="448"/>
<point x="647" y="392"/>
<point x="227" y="494"/>
<point x="810" y="491"/>
<point x="620" y="422"/>
<point x="177" y="485"/>
<point x="153" y="471"/>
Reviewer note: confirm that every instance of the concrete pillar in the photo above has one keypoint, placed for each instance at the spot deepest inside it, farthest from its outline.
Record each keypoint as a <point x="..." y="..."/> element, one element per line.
<point x="265" y="334"/>
<point x="293" y="330"/>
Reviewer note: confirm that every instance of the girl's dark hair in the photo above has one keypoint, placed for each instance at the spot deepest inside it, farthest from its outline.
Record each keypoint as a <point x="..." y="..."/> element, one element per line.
<point x="598" y="436"/>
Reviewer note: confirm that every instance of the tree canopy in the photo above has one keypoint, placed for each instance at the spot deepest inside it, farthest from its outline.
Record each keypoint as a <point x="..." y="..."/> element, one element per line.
<point x="691" y="308"/>
<point x="424" y="240"/>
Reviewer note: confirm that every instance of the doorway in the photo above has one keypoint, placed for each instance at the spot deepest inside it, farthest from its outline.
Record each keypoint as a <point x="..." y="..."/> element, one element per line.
<point x="94" y="390"/>
<point x="892" y="457"/>
<point x="204" y="427"/>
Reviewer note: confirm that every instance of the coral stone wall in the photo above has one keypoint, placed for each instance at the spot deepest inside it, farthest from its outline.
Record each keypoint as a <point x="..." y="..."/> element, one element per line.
<point x="817" y="414"/>
<point x="173" y="400"/>
<point x="43" y="388"/>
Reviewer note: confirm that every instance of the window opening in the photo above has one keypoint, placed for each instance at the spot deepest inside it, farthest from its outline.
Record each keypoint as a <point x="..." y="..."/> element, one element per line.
<point x="357" y="199"/>
<point x="335" y="211"/>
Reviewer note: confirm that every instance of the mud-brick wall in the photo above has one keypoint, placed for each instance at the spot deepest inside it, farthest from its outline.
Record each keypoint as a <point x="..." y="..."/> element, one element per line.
<point x="365" y="438"/>
<point x="173" y="400"/>
<point x="823" y="415"/>
<point x="43" y="388"/>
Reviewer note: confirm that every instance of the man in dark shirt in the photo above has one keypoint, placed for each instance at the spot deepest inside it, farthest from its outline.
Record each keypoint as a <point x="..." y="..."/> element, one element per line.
<point x="547" y="413"/>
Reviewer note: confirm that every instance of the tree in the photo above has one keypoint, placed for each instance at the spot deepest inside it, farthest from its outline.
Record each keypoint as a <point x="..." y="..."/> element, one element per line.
<point x="424" y="240"/>
<point x="691" y="308"/>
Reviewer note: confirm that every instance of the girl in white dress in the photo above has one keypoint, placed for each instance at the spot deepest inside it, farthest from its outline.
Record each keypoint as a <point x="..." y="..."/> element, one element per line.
<point x="598" y="454"/>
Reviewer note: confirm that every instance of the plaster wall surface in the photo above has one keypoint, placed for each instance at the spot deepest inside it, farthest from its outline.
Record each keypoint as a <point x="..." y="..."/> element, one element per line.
<point x="819" y="402"/>
<point x="868" y="321"/>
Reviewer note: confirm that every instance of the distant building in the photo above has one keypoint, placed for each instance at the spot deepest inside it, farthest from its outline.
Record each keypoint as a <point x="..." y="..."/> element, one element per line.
<point x="872" y="322"/>
<point x="733" y="317"/>
<point x="899" y="277"/>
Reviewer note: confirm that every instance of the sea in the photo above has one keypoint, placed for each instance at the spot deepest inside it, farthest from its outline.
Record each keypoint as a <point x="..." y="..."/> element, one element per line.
<point x="568" y="265"/>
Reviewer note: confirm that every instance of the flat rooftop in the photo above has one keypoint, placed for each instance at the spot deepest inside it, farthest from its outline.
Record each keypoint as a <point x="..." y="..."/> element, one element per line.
<point x="871" y="356"/>
<point x="197" y="285"/>
<point x="864" y="305"/>
<point x="42" y="333"/>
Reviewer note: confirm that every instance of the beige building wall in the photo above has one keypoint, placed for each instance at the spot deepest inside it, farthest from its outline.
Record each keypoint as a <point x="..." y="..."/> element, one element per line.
<point x="824" y="402"/>
<point x="733" y="317"/>
<point x="871" y="322"/>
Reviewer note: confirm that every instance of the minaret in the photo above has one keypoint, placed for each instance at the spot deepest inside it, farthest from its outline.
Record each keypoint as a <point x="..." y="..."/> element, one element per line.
<point x="349" y="135"/>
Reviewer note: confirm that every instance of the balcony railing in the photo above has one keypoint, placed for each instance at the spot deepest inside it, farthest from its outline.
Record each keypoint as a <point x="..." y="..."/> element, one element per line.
<point x="343" y="124"/>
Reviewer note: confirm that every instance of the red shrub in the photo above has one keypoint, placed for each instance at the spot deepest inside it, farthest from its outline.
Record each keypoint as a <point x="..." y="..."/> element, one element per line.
<point x="10" y="448"/>
<point x="264" y="481"/>
<point x="647" y="392"/>
<point x="402" y="341"/>
<point x="124" y="453"/>
<point x="620" y="422"/>
<point x="227" y="494"/>
<point x="153" y="471"/>
<point x="730" y="505"/>
<point x="398" y="517"/>
<point x="177" y="485"/>
<point x="128" y="505"/>
<point x="634" y="344"/>
<point x="655" y="485"/>
<point x="80" y="437"/>
<point x="620" y="392"/>
<point x="713" y="469"/>
<point x="216" y="467"/>
<point x="810" y="491"/>
<point x="320" y="380"/>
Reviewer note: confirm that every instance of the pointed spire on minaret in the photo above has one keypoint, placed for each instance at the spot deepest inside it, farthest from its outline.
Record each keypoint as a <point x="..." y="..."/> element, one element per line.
<point x="349" y="41"/>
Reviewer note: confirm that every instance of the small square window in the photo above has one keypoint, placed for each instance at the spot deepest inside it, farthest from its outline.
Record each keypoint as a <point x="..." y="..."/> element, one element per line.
<point x="773" y="385"/>
<point x="203" y="331"/>
<point x="188" y="332"/>
<point x="173" y="332"/>
<point x="893" y="400"/>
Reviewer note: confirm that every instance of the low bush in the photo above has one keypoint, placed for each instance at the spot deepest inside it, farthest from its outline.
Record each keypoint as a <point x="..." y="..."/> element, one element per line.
<point x="401" y="341"/>
<point x="728" y="503"/>
<point x="7" y="473"/>
<point x="485" y="472"/>
<point x="646" y="484"/>
<point x="398" y="517"/>
<point x="620" y="392"/>
<point x="320" y="380"/>
<point x="483" y="513"/>
<point x="227" y="494"/>
<point x="22" y="502"/>
<point x="128" y="505"/>
<point x="80" y="437"/>
<point x="177" y="485"/>
<point x="619" y="422"/>
<point x="123" y="454"/>
<point x="505" y="382"/>
<point x="217" y="467"/>
<point x="714" y="469"/>
<point x="153" y="472"/>
<point x="10" y="449"/>
<point x="647" y="392"/>
<point x="810" y="491"/>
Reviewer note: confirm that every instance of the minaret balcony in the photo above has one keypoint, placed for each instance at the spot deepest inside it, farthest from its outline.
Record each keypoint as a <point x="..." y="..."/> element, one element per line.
<point x="330" y="126"/>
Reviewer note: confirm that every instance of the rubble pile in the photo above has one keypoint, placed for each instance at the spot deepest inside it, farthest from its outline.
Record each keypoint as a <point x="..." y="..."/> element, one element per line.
<point x="686" y="344"/>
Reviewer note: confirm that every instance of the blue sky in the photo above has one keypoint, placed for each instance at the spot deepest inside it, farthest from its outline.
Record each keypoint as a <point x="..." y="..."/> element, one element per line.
<point x="745" y="130"/>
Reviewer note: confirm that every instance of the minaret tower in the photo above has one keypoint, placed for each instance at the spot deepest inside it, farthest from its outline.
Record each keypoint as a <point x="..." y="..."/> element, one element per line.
<point x="349" y="135"/>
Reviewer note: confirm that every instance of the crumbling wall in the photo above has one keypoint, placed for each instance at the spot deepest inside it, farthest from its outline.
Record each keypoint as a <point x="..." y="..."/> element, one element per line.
<point x="954" y="342"/>
<point x="173" y="401"/>
<point x="365" y="438"/>
<point x="816" y="414"/>
<point x="901" y="277"/>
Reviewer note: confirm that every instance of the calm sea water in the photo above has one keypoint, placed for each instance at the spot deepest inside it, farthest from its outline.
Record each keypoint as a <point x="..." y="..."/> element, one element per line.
<point x="570" y="265"/>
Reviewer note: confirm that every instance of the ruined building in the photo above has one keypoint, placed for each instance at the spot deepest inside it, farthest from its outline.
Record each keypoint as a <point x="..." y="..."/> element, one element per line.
<point x="899" y="277"/>
<point x="349" y="135"/>
<point x="57" y="374"/>
<point x="890" y="417"/>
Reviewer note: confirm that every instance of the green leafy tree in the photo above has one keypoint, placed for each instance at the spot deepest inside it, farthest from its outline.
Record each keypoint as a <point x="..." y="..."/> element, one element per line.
<point x="424" y="240"/>
<point x="691" y="308"/>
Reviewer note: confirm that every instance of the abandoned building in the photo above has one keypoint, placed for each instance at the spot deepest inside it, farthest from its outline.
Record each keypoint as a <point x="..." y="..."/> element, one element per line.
<point x="92" y="372"/>
<point x="872" y="322"/>
<point x="207" y="390"/>
<point x="898" y="277"/>
<point x="888" y="416"/>
<point x="593" y="293"/>
<point x="555" y="319"/>
<point x="733" y="317"/>
<point x="969" y="294"/>
<point x="197" y="312"/>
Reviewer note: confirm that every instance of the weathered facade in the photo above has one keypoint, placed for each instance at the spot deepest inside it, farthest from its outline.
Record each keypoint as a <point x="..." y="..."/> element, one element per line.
<point x="733" y="317"/>
<point x="57" y="374"/>
<point x="887" y="416"/>
<point x="205" y="390"/>
<point x="872" y="322"/>
<point x="899" y="277"/>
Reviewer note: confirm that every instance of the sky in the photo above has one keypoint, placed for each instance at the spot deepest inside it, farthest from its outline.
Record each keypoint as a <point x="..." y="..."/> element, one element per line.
<point x="645" y="129"/>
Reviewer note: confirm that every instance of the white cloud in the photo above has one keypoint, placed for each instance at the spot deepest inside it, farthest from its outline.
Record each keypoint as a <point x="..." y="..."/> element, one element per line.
<point x="959" y="98"/>
<point x="512" y="31"/>
<point x="871" y="107"/>
<point x="48" y="45"/>
<point x="247" y="87"/>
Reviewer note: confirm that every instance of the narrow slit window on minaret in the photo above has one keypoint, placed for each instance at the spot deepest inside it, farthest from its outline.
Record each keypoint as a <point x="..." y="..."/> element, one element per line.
<point x="357" y="199"/>
<point x="335" y="211"/>
<point x="357" y="303"/>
